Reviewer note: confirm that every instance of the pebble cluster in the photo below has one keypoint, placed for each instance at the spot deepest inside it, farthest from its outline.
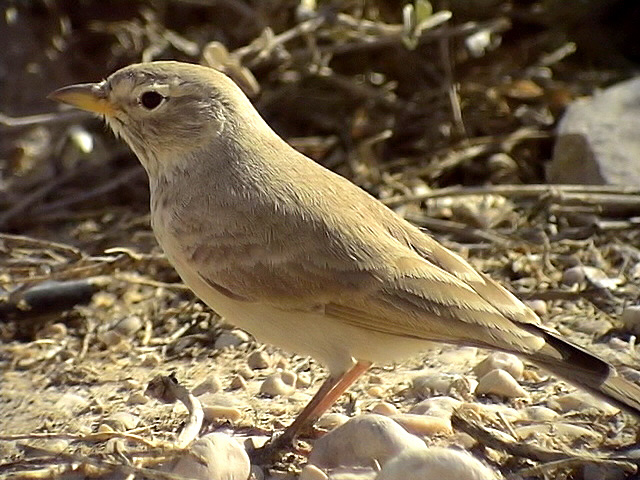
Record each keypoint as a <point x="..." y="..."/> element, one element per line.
<point x="387" y="440"/>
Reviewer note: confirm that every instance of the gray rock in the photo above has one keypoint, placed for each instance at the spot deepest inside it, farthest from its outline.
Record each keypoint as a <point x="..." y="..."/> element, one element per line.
<point x="598" y="141"/>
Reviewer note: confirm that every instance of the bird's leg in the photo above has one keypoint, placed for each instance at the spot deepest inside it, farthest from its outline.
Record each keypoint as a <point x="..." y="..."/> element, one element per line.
<point x="325" y="397"/>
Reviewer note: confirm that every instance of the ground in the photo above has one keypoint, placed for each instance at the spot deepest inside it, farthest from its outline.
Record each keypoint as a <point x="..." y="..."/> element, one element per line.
<point x="452" y="141"/>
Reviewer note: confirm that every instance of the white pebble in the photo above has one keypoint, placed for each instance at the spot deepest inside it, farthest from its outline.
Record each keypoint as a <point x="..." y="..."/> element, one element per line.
<point x="424" y="425"/>
<point x="384" y="408"/>
<point x="580" y="401"/>
<point x="459" y="356"/>
<point x="329" y="421"/>
<point x="70" y="403"/>
<point x="442" y="384"/>
<point x="238" y="383"/>
<point x="538" y="306"/>
<point x="231" y="338"/>
<point x="435" y="463"/>
<point x="360" y="441"/>
<point x="122" y="421"/>
<point x="215" y="456"/>
<point x="502" y="360"/>
<point x="275" y="384"/>
<point x="565" y="432"/>
<point x="210" y="385"/>
<point x="219" y="412"/>
<point x="442" y="407"/>
<point x="538" y="413"/>
<point x="303" y="380"/>
<point x="259" y="360"/>
<point x="501" y="383"/>
<point x="311" y="472"/>
<point x="128" y="326"/>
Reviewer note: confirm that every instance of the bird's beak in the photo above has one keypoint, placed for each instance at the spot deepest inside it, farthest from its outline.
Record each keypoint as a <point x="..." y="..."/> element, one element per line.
<point x="86" y="96"/>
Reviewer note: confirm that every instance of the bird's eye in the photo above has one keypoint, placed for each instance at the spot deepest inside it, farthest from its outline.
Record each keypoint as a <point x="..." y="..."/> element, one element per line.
<point x="151" y="99"/>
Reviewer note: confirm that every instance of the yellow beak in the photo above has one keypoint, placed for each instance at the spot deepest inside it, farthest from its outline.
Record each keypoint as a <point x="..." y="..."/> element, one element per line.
<point x="86" y="96"/>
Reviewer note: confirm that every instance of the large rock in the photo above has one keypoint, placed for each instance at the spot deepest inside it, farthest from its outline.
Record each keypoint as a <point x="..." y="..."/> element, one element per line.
<point x="215" y="456"/>
<point x="362" y="440"/>
<point x="598" y="141"/>
<point x="435" y="463"/>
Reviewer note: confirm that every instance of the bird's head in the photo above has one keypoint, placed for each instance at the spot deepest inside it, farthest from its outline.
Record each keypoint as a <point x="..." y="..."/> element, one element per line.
<point x="165" y="110"/>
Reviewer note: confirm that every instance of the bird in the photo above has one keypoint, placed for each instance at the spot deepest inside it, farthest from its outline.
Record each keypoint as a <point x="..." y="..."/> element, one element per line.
<point x="299" y="256"/>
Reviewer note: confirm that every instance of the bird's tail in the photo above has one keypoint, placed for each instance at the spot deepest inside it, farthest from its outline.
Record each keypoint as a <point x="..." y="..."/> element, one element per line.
<point x="586" y="370"/>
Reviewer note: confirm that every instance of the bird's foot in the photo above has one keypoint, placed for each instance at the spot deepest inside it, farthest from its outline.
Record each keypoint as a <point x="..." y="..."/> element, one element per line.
<point x="273" y="451"/>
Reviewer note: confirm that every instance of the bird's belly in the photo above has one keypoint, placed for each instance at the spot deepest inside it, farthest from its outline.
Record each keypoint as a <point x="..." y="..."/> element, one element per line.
<point x="332" y="342"/>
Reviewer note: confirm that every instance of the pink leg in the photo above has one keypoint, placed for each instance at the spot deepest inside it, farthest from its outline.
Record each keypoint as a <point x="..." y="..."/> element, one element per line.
<point x="329" y="392"/>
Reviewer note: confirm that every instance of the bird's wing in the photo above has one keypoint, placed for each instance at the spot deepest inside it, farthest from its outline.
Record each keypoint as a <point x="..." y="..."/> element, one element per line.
<point x="382" y="275"/>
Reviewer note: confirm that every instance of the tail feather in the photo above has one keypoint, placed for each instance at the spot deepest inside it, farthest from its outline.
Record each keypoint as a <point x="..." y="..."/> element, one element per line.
<point x="584" y="369"/>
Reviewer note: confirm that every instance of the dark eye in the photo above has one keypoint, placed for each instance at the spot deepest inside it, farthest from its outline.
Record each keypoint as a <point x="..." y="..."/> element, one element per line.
<point x="151" y="99"/>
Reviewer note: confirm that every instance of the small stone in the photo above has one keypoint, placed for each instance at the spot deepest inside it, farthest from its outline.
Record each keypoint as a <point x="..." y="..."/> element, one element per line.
<point x="573" y="276"/>
<point x="621" y="345"/>
<point x="375" y="379"/>
<point x="231" y="338"/>
<point x="238" y="383"/>
<point x="424" y="425"/>
<point x="110" y="338"/>
<point x="581" y="273"/>
<point x="275" y="385"/>
<point x="492" y="410"/>
<point x="580" y="401"/>
<point x="70" y="403"/>
<point x="282" y="363"/>
<point x="564" y="432"/>
<point x="150" y="360"/>
<point x="442" y="407"/>
<point x="538" y="306"/>
<point x="137" y="398"/>
<point x="501" y="360"/>
<point x="303" y="380"/>
<point x="376" y="391"/>
<point x="131" y="384"/>
<point x="219" y="412"/>
<point x="128" y="326"/>
<point x="434" y="463"/>
<point x="500" y="382"/>
<point x="246" y="373"/>
<point x="210" y="385"/>
<point x="361" y="440"/>
<point x="443" y="384"/>
<point x="311" y="472"/>
<point x="329" y="421"/>
<point x="216" y="456"/>
<point x="53" y="331"/>
<point x="43" y="446"/>
<point x="384" y="408"/>
<point x="259" y="360"/>
<point x="538" y="413"/>
<point x="122" y="421"/>
<point x="631" y="319"/>
<point x="459" y="356"/>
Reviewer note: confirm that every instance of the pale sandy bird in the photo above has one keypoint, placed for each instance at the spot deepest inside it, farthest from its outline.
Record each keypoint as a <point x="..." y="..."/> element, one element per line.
<point x="300" y="257"/>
